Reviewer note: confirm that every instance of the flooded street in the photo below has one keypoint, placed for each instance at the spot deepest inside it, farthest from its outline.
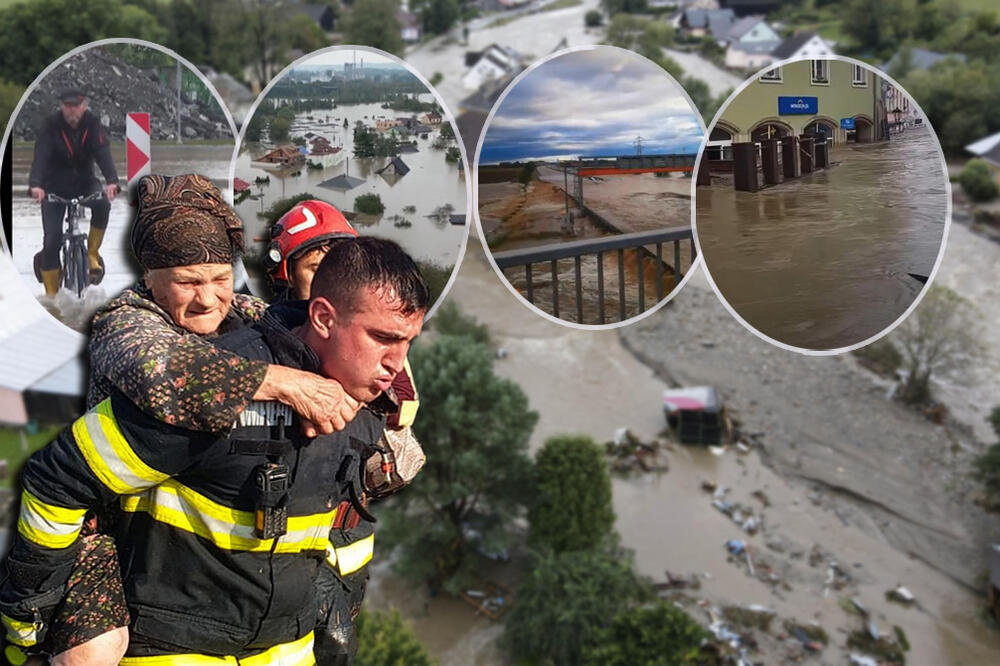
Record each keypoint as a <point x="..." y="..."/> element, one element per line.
<point x="669" y="520"/>
<point x="167" y="158"/>
<point x="431" y="183"/>
<point x="515" y="218"/>
<point x="824" y="261"/>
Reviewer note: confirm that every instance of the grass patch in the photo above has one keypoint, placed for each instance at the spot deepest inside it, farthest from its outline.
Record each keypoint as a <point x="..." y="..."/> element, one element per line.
<point x="744" y="617"/>
<point x="561" y="4"/>
<point x="15" y="453"/>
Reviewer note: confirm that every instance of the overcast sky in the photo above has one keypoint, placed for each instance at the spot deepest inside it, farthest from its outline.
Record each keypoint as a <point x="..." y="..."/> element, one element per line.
<point x="592" y="103"/>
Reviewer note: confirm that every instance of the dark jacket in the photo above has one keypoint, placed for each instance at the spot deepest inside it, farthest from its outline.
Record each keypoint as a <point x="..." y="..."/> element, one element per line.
<point x="64" y="157"/>
<point x="197" y="580"/>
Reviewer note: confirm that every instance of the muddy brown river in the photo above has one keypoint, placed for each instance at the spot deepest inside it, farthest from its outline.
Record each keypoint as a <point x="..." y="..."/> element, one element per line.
<point x="824" y="261"/>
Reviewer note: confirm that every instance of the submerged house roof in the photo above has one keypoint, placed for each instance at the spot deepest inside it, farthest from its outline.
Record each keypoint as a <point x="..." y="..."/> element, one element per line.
<point x="342" y="182"/>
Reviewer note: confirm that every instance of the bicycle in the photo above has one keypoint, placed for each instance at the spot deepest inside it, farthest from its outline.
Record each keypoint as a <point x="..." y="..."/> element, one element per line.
<point x="73" y="255"/>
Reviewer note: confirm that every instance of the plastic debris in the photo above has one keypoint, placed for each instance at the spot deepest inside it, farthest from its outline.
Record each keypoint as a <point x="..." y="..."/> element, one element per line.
<point x="735" y="546"/>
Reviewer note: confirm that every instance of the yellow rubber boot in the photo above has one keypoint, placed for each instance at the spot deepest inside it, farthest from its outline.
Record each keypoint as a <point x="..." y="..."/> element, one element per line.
<point x="94" y="239"/>
<point x="51" y="279"/>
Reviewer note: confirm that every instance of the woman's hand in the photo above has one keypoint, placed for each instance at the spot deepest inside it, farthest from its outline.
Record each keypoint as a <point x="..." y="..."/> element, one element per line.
<point x="321" y="402"/>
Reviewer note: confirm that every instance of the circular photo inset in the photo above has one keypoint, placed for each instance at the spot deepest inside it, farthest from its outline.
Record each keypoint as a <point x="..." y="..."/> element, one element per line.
<point x="95" y="120"/>
<point x="362" y="133"/>
<point x="822" y="204"/>
<point x="584" y="186"/>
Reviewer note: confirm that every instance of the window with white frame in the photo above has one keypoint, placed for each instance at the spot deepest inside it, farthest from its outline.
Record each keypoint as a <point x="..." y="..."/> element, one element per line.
<point x="820" y="71"/>
<point x="859" y="78"/>
<point x="771" y="75"/>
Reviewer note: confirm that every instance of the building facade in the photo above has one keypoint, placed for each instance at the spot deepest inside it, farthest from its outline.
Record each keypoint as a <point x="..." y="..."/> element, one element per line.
<point x="838" y="99"/>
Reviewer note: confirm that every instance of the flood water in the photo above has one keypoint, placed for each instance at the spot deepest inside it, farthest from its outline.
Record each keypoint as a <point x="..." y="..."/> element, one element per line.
<point x="171" y="159"/>
<point x="431" y="183"/>
<point x="824" y="261"/>
<point x="630" y="203"/>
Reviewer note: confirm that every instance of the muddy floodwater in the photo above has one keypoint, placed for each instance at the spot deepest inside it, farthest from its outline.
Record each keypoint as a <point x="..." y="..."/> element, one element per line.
<point x="825" y="261"/>
<point x="515" y="218"/>
<point x="211" y="160"/>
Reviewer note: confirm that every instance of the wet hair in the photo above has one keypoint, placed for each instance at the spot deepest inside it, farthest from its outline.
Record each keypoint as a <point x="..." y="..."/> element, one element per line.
<point x="354" y="264"/>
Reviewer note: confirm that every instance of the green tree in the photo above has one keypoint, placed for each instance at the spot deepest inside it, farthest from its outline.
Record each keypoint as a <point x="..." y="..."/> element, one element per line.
<point x="613" y="7"/>
<point x="436" y="16"/>
<point x="10" y="95"/>
<point x="978" y="181"/>
<point x="279" y="129"/>
<point x="370" y="204"/>
<point x="385" y="640"/>
<point x="572" y="507"/>
<point x="453" y="154"/>
<point x="657" y="635"/>
<point x="937" y="336"/>
<point x="463" y="505"/>
<point x="880" y="26"/>
<point x="564" y="599"/>
<point x="374" y="23"/>
<point x="33" y="34"/>
<point x="450" y="320"/>
<point x="959" y="99"/>
<point x="593" y="19"/>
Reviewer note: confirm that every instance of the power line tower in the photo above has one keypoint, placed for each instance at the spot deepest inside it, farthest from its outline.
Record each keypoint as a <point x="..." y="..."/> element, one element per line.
<point x="637" y="144"/>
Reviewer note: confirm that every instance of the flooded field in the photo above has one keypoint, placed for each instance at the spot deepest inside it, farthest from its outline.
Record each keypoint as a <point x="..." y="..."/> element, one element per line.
<point x="431" y="183"/>
<point x="516" y="218"/>
<point x="825" y="261"/>
<point x="171" y="159"/>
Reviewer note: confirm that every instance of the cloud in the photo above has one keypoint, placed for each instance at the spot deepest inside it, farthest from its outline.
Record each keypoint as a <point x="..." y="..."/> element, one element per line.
<point x="593" y="102"/>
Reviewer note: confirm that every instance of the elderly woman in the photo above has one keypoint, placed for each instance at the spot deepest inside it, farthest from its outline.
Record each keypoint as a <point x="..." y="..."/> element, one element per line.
<point x="150" y="343"/>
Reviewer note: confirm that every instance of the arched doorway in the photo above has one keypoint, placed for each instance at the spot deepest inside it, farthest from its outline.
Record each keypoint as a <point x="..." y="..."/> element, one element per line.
<point x="719" y="147"/>
<point x="821" y="127"/>
<point x="864" y="130"/>
<point x="769" y="129"/>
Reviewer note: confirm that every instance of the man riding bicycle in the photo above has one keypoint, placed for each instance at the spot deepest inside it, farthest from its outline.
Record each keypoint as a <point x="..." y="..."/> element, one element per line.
<point x="67" y="145"/>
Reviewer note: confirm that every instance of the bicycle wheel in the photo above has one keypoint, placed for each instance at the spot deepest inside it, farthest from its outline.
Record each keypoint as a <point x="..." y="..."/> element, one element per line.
<point x="76" y="267"/>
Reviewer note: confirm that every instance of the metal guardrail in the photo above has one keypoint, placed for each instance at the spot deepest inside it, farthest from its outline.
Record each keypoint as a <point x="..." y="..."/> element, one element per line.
<point x="576" y="250"/>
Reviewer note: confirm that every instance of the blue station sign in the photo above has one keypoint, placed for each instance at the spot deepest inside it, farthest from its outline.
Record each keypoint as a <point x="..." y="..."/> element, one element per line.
<point x="847" y="123"/>
<point x="790" y="106"/>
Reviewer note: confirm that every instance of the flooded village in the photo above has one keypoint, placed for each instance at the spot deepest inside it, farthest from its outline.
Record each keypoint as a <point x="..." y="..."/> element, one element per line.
<point x="353" y="126"/>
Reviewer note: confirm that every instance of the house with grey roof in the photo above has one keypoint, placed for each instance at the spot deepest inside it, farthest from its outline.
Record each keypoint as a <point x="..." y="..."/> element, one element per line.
<point x="750" y="42"/>
<point x="713" y="22"/>
<point x="804" y="44"/>
<point x="911" y="57"/>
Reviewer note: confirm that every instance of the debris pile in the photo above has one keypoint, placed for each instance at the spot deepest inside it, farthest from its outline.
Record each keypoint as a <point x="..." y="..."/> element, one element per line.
<point x="629" y="453"/>
<point x="114" y="88"/>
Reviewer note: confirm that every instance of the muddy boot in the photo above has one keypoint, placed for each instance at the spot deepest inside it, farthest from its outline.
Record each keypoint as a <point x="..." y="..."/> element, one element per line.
<point x="96" y="262"/>
<point x="51" y="279"/>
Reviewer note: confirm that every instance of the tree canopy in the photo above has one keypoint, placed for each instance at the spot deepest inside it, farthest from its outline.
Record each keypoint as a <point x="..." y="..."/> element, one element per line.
<point x="658" y="635"/>
<point x="565" y="599"/>
<point x="385" y="640"/>
<point x="475" y="428"/>
<point x="571" y="508"/>
<point x="374" y="23"/>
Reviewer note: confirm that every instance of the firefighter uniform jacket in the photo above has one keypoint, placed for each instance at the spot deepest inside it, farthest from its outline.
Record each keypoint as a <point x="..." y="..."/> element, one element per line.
<point x="64" y="156"/>
<point x="198" y="580"/>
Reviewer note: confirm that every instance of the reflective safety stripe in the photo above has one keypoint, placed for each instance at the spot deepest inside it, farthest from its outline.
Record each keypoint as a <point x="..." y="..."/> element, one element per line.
<point x="296" y="653"/>
<point x="350" y="558"/>
<point x="47" y="525"/>
<point x="109" y="455"/>
<point x="230" y="529"/>
<point x="408" y="412"/>
<point x="20" y="633"/>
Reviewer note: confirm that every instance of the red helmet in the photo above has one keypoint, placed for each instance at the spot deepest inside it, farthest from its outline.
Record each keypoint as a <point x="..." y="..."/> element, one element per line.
<point x="308" y="224"/>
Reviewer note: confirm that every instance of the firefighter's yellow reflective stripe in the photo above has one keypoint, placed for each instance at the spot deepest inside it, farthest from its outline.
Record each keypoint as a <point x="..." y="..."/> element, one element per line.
<point x="48" y="525"/>
<point x="15" y="656"/>
<point x="230" y="529"/>
<point x="20" y="633"/>
<point x="350" y="558"/>
<point x="296" y="653"/>
<point x="109" y="455"/>
<point x="408" y="412"/>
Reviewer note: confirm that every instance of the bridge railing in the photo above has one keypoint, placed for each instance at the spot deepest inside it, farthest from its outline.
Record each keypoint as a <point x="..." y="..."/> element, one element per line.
<point x="648" y="245"/>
